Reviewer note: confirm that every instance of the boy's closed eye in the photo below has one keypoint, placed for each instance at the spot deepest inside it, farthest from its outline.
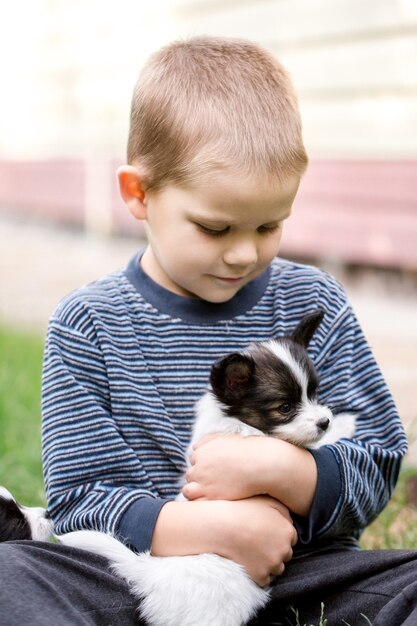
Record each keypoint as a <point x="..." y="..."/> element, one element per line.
<point x="213" y="232"/>
<point x="269" y="228"/>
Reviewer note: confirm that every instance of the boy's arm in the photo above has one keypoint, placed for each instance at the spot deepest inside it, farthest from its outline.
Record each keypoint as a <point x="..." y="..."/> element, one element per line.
<point x="350" y="481"/>
<point x="94" y="479"/>
<point x="256" y="533"/>
<point x="234" y="467"/>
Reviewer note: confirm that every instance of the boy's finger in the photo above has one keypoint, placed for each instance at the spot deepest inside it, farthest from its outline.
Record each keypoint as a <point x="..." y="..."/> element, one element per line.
<point x="294" y="539"/>
<point x="192" y="491"/>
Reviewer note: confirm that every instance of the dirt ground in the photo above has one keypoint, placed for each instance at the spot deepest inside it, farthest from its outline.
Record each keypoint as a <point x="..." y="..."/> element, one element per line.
<point x="40" y="263"/>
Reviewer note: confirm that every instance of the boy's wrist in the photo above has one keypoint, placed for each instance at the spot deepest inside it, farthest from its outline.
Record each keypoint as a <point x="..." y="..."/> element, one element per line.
<point x="327" y="496"/>
<point x="185" y="528"/>
<point x="287" y="473"/>
<point x="147" y="511"/>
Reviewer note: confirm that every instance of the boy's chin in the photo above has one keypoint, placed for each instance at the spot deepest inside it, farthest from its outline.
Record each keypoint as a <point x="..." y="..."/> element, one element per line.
<point x="219" y="297"/>
<point x="219" y="300"/>
<point x="214" y="290"/>
<point x="220" y="293"/>
<point x="213" y="296"/>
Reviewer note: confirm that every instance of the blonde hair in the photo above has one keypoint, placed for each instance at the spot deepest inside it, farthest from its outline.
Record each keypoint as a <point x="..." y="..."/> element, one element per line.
<point x="210" y="103"/>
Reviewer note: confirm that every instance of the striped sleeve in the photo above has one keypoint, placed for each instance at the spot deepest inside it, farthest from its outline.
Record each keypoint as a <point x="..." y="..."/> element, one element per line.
<point x="351" y="382"/>
<point x="92" y="476"/>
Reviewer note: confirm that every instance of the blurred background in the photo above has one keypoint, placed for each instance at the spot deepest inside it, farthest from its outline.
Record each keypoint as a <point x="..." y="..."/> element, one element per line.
<point x="67" y="71"/>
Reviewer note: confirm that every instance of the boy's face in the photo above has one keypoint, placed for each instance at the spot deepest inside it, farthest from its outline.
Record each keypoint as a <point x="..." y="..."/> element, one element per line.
<point x="209" y="241"/>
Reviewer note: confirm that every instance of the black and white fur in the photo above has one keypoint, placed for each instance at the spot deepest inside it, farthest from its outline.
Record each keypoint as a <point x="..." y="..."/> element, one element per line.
<point x="270" y="389"/>
<point x="19" y="522"/>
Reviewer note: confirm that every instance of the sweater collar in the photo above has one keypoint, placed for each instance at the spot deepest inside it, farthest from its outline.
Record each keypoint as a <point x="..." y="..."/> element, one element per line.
<point x="192" y="309"/>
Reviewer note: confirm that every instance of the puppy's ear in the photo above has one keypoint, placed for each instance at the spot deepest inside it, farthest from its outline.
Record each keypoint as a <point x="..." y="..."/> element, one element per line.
<point x="307" y="327"/>
<point x="231" y="376"/>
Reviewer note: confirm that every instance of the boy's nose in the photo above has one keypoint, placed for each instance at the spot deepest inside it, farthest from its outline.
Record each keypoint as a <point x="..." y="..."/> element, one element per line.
<point x="242" y="254"/>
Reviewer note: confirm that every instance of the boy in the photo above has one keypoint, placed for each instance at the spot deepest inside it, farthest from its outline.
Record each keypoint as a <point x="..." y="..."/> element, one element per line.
<point x="215" y="157"/>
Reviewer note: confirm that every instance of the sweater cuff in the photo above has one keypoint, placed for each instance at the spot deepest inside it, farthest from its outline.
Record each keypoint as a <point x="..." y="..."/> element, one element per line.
<point x="328" y="492"/>
<point x="136" y="526"/>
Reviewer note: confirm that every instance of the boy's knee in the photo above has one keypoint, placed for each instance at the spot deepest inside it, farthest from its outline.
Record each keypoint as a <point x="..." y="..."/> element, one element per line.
<point x="13" y="559"/>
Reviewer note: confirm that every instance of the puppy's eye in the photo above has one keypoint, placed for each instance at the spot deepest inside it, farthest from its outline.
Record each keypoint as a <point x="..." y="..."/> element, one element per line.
<point x="285" y="408"/>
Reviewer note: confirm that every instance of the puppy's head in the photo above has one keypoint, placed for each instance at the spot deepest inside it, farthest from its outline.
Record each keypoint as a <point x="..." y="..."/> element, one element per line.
<point x="20" y="522"/>
<point x="273" y="387"/>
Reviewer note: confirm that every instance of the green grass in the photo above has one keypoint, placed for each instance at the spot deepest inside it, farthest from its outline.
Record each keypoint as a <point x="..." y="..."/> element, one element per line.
<point x="20" y="385"/>
<point x="293" y="619"/>
<point x="396" y="526"/>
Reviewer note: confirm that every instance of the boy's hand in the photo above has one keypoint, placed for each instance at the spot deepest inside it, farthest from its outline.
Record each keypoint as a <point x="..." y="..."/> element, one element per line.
<point x="223" y="467"/>
<point x="260" y="536"/>
<point x="257" y="533"/>
<point x="231" y="467"/>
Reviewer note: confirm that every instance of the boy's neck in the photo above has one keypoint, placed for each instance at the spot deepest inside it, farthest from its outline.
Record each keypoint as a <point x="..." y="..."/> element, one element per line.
<point x="191" y="309"/>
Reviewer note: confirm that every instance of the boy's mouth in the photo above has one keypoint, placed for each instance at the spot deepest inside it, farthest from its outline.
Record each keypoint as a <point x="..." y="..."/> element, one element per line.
<point x="230" y="281"/>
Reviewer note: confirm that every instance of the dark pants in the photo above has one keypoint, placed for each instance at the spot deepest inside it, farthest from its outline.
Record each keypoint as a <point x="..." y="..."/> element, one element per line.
<point x="49" y="585"/>
<point x="357" y="588"/>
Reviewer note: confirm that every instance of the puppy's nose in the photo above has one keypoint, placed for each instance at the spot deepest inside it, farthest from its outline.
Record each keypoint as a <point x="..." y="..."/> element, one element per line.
<point x="323" y="424"/>
<point x="47" y="514"/>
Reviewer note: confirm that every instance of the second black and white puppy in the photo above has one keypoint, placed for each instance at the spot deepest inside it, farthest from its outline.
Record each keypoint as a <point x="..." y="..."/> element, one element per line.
<point x="19" y="522"/>
<point x="270" y="389"/>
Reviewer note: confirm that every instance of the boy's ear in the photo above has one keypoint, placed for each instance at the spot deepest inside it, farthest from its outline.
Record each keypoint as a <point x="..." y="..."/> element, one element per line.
<point x="131" y="187"/>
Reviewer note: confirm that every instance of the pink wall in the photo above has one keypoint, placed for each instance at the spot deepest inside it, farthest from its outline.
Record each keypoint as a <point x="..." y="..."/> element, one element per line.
<point x="358" y="211"/>
<point x="43" y="189"/>
<point x="349" y="211"/>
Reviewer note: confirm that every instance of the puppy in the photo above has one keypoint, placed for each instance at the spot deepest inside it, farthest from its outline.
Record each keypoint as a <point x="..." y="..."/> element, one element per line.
<point x="21" y="522"/>
<point x="270" y="389"/>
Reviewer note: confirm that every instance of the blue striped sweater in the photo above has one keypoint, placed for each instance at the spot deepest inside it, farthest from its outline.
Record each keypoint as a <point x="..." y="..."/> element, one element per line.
<point x="125" y="361"/>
